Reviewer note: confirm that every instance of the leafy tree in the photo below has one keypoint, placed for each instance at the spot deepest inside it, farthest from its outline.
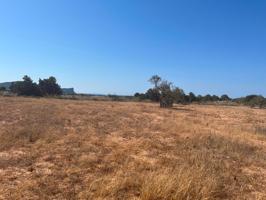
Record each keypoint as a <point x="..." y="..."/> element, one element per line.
<point x="153" y="94"/>
<point x="253" y="101"/>
<point x="225" y="97"/>
<point x="25" y="87"/>
<point x="16" y="87"/>
<point x="140" y="96"/>
<point x="49" y="86"/>
<point x="206" y="98"/>
<point x="136" y="94"/>
<point x="167" y="95"/>
<point x="215" y="98"/>
<point x="179" y="95"/>
<point x="258" y="101"/>
<point x="28" y="88"/>
<point x="199" y="98"/>
<point x="155" y="80"/>
<point x="250" y="97"/>
<point x="192" y="97"/>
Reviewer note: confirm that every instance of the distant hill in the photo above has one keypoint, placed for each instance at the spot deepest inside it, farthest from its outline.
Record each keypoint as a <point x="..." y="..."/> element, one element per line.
<point x="66" y="91"/>
<point x="6" y="85"/>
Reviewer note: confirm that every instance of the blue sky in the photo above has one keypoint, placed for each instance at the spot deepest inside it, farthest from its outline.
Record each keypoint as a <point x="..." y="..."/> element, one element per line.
<point x="114" y="46"/>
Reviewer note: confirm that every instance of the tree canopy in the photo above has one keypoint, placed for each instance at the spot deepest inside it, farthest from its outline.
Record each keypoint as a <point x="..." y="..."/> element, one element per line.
<point x="49" y="86"/>
<point x="27" y="87"/>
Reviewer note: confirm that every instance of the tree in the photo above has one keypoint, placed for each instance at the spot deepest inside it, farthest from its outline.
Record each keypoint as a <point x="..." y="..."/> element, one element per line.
<point x="179" y="95"/>
<point x="140" y="96"/>
<point x="199" y="98"/>
<point x="250" y="97"/>
<point x="192" y="97"/>
<point x="49" y="86"/>
<point x="153" y="94"/>
<point x="155" y="80"/>
<point x="257" y="101"/>
<point x="28" y="88"/>
<point x="254" y="101"/>
<point x="166" y="94"/>
<point x="206" y="98"/>
<point x="136" y="94"/>
<point x="225" y="97"/>
<point x="215" y="98"/>
<point x="25" y="87"/>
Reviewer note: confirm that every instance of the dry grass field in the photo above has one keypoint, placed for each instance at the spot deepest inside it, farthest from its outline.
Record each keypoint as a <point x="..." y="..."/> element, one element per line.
<point x="67" y="149"/>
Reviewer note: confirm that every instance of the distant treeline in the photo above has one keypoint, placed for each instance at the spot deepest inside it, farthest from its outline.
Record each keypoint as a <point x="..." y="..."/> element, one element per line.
<point x="26" y="87"/>
<point x="167" y="94"/>
<point x="162" y="91"/>
<point x="181" y="97"/>
<point x="252" y="101"/>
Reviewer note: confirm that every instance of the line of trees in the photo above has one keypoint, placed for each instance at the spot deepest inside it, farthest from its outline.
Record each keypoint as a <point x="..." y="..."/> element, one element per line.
<point x="45" y="87"/>
<point x="162" y="91"/>
<point x="252" y="101"/>
<point x="167" y="94"/>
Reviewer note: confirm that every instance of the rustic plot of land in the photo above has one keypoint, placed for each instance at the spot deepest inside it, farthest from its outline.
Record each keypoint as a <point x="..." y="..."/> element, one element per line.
<point x="63" y="149"/>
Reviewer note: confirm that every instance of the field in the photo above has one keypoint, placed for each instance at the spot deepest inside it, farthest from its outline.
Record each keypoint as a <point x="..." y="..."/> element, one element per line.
<point x="70" y="149"/>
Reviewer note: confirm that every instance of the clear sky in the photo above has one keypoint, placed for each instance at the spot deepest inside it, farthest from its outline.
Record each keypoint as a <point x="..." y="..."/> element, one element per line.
<point x="114" y="46"/>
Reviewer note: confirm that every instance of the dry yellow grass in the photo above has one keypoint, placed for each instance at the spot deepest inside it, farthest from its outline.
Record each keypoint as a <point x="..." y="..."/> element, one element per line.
<point x="66" y="149"/>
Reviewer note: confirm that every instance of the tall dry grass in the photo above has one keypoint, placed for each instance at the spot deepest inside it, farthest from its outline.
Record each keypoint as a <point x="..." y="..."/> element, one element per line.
<point x="63" y="149"/>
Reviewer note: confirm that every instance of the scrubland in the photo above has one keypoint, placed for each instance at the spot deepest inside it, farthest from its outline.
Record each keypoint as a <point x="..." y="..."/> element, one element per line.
<point x="67" y="149"/>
